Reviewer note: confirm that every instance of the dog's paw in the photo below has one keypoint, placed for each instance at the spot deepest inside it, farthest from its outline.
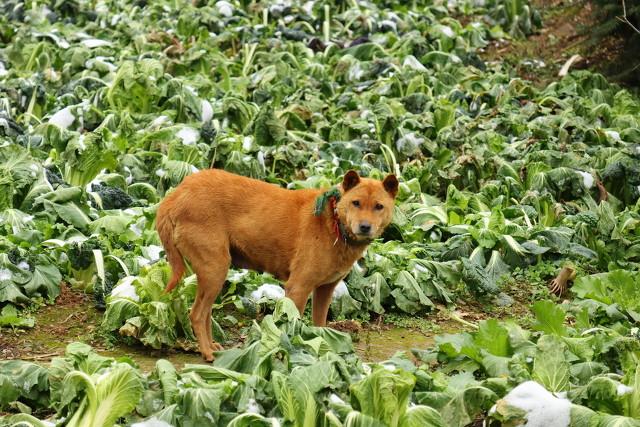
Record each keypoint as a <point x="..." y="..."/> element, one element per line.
<point x="207" y="356"/>
<point x="216" y="346"/>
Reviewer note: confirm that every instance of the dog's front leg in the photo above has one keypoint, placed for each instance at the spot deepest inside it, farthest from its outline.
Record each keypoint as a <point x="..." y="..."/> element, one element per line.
<point x="298" y="291"/>
<point x="321" y="301"/>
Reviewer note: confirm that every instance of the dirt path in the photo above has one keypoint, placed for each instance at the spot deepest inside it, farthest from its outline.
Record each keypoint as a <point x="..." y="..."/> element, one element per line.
<point x="565" y="32"/>
<point x="74" y="318"/>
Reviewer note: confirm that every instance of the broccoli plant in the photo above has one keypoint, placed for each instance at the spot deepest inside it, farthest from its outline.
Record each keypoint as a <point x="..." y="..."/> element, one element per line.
<point x="112" y="197"/>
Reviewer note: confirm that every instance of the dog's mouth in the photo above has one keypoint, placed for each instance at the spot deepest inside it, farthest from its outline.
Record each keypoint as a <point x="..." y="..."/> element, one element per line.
<point x="363" y="236"/>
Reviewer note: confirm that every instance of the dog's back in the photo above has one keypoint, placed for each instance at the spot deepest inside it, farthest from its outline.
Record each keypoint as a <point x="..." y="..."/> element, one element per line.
<point x="258" y="222"/>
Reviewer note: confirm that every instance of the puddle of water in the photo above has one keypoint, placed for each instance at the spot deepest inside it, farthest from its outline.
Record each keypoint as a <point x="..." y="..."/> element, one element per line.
<point x="146" y="359"/>
<point x="375" y="346"/>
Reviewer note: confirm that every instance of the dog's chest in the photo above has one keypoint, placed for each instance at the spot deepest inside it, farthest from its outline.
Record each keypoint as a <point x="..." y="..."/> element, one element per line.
<point x="339" y="267"/>
<point x="337" y="275"/>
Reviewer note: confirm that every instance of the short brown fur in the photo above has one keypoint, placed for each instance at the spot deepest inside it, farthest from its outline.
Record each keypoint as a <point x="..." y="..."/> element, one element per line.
<point x="215" y="219"/>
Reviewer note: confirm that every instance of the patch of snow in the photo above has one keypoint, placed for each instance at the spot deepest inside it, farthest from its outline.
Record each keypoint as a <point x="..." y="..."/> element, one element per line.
<point x="125" y="289"/>
<point x="269" y="291"/>
<point x="535" y="63"/>
<point x="357" y="267"/>
<point x="612" y="134"/>
<point x="447" y="31"/>
<point x="5" y="274"/>
<point x="158" y="121"/>
<point x="366" y="368"/>
<point x="153" y="251"/>
<point x="253" y="407"/>
<point x="188" y="135"/>
<point x="161" y="172"/>
<point x="3" y="71"/>
<point x="587" y="178"/>
<point x="81" y="143"/>
<point x="340" y="290"/>
<point x="335" y="399"/>
<point x="93" y="43"/>
<point x="412" y="63"/>
<point x="129" y="177"/>
<point x="277" y="8"/>
<point x="542" y="407"/>
<point x="51" y="75"/>
<point x="136" y="230"/>
<point x="355" y="72"/>
<point x="63" y="118"/>
<point x="237" y="275"/>
<point x="421" y="268"/>
<point x="152" y="422"/>
<point x="23" y="265"/>
<point x="225" y="8"/>
<point x="61" y="42"/>
<point x="622" y="389"/>
<point x="261" y="159"/>
<point x="409" y="143"/>
<point x="307" y="7"/>
<point x="206" y="111"/>
<point x="247" y="142"/>
<point x="101" y="60"/>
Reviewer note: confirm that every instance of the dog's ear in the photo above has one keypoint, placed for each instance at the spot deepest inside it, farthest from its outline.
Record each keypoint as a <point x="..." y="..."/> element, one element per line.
<point x="390" y="184"/>
<point x="350" y="180"/>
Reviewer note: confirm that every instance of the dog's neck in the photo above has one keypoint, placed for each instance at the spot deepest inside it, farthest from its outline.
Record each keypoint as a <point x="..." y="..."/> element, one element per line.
<point x="341" y="232"/>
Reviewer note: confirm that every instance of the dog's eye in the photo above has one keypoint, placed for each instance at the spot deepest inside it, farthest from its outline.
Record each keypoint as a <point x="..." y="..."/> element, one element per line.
<point x="379" y="207"/>
<point x="356" y="203"/>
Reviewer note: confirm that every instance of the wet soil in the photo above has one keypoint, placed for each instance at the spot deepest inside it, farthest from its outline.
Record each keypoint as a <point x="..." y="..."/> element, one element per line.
<point x="74" y="318"/>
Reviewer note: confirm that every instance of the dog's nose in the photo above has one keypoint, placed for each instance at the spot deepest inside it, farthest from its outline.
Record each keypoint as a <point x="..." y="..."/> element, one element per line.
<point x="365" y="227"/>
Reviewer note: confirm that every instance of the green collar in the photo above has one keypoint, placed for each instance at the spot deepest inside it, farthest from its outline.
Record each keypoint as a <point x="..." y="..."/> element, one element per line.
<point x="324" y="198"/>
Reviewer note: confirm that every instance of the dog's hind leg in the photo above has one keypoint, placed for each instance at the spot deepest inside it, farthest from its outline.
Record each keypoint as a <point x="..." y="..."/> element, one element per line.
<point x="211" y="265"/>
<point x="321" y="301"/>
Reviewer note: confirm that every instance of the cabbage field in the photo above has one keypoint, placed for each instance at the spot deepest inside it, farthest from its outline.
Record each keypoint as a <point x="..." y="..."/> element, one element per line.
<point x="517" y="219"/>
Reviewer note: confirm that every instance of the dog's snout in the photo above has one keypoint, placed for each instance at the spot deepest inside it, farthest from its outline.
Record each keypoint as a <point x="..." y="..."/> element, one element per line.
<point x="365" y="227"/>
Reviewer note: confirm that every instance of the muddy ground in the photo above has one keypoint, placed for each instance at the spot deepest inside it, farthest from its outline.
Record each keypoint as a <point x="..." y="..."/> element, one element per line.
<point x="73" y="317"/>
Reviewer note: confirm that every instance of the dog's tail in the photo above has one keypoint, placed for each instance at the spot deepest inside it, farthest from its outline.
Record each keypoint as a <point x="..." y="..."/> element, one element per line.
<point x="165" y="228"/>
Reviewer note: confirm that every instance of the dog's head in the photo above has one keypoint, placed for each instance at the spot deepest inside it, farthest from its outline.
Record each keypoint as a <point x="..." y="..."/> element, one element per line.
<point x="366" y="206"/>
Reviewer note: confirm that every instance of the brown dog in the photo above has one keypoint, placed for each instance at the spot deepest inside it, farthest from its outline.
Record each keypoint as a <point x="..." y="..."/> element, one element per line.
<point x="309" y="239"/>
